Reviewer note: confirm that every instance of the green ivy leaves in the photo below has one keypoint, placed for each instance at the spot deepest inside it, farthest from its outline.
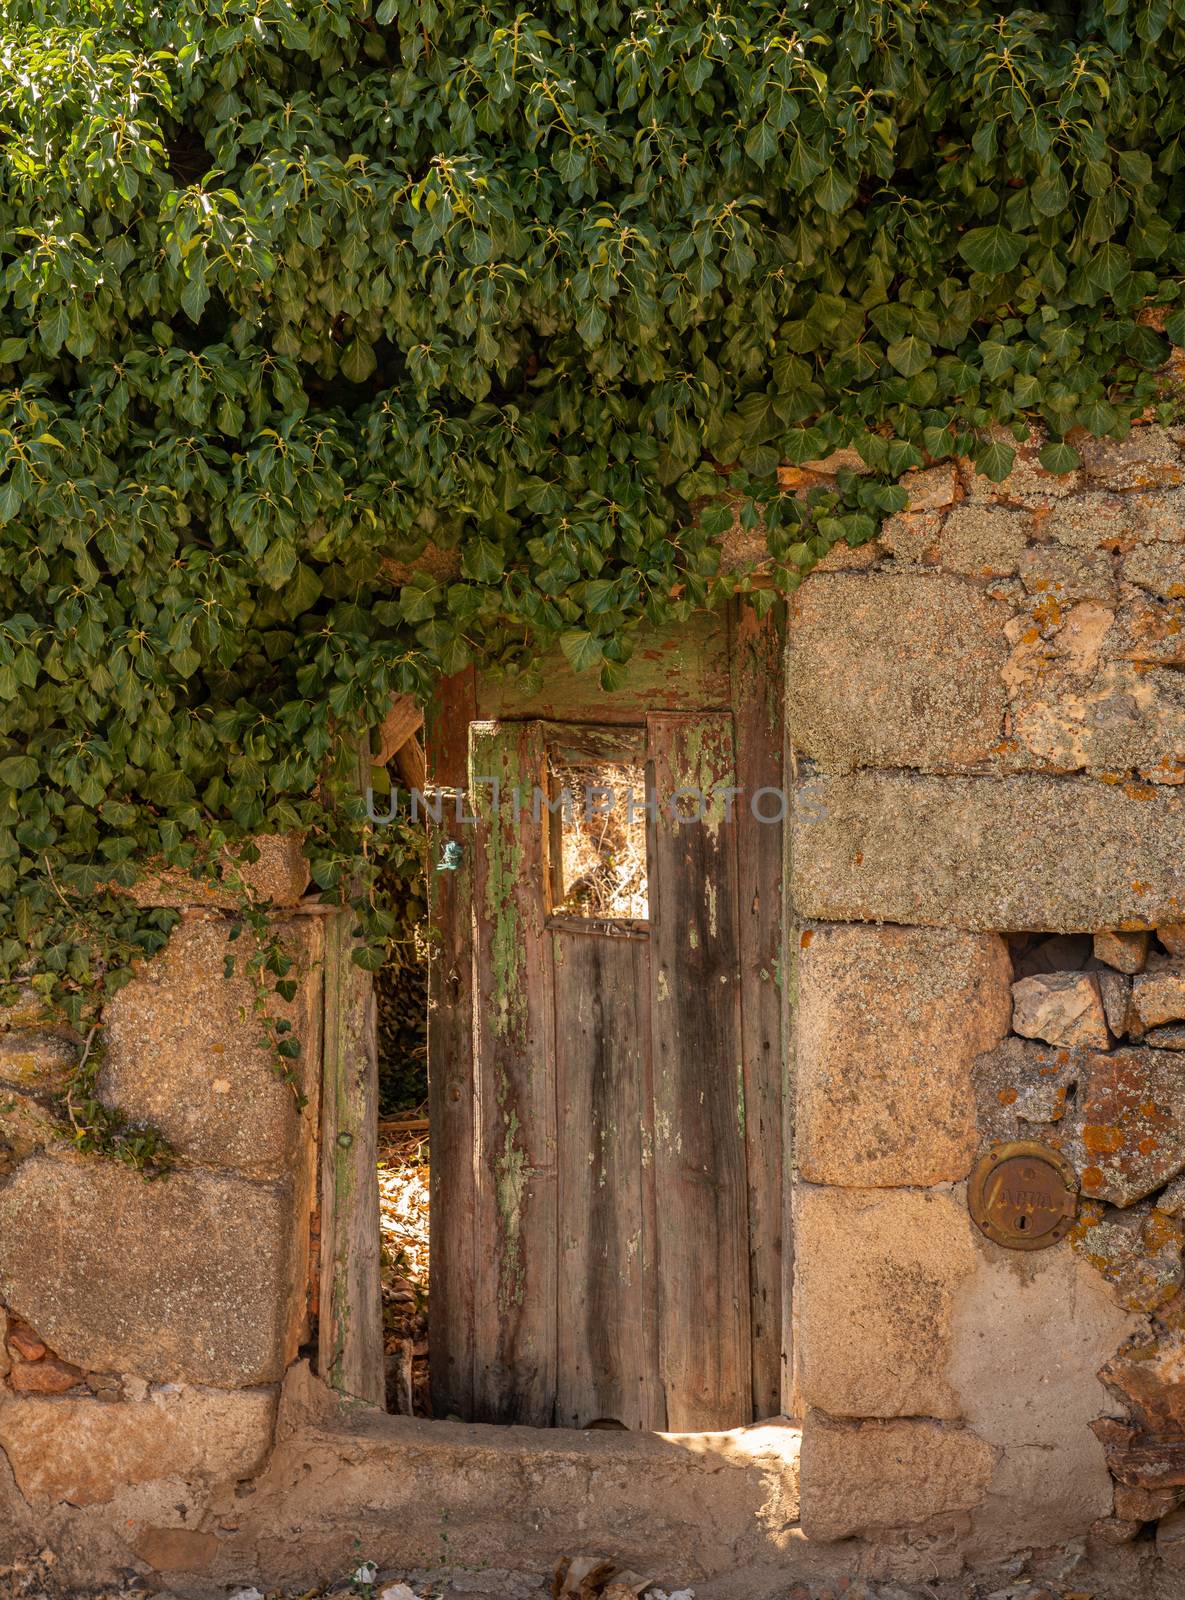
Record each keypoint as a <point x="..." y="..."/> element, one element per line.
<point x="993" y="249"/>
<point x="343" y="344"/>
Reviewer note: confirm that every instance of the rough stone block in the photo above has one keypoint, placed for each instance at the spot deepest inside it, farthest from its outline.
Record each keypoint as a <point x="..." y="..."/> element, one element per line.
<point x="1151" y="631"/>
<point x="1063" y="1008"/>
<point x="201" y="1276"/>
<point x="932" y="488"/>
<point x="36" y="1059"/>
<point x="1085" y="692"/>
<point x="1145" y="1505"/>
<point x="183" y="1051"/>
<point x="1148" y="1375"/>
<point x="49" y="1376"/>
<point x="1126" y="952"/>
<point x="1148" y="458"/>
<point x="1132" y="1124"/>
<point x="1157" y="997"/>
<point x="1094" y="520"/>
<point x="27" y="1123"/>
<point x="984" y="541"/>
<point x="985" y="853"/>
<point x="1170" y="1540"/>
<point x="843" y="557"/>
<point x="1116" y="990"/>
<point x="868" y="1479"/>
<point x="888" y="1023"/>
<point x="895" y="669"/>
<point x="1158" y="515"/>
<point x="1051" y="571"/>
<point x="1136" y="1251"/>
<point x="912" y="537"/>
<point x="280" y="875"/>
<point x="878" y="1272"/>
<point x="1125" y="717"/>
<point x="86" y="1451"/>
<point x="1159" y="568"/>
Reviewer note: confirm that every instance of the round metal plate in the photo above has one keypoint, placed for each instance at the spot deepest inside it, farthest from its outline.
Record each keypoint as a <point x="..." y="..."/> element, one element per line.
<point x="1023" y="1195"/>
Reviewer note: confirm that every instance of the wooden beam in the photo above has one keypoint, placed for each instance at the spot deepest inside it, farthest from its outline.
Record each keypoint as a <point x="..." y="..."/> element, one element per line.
<point x="409" y="758"/>
<point x="404" y="719"/>
<point x="453" y="1265"/>
<point x="758" y="718"/>
<point x="350" y="1333"/>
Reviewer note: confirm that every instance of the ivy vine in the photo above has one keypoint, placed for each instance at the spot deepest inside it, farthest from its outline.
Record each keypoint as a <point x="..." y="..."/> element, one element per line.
<point x="291" y="290"/>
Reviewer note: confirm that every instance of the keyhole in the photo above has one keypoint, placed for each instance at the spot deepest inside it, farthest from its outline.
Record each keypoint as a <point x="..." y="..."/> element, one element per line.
<point x="1022" y="1223"/>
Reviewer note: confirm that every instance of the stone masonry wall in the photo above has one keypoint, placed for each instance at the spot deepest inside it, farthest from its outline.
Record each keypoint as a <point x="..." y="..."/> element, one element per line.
<point x="145" y="1325"/>
<point x="987" y="710"/>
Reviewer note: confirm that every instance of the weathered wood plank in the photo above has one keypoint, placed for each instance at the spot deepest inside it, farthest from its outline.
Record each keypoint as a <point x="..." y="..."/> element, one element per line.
<point x="452" y="1202"/>
<point x="608" y="1358"/>
<point x="411" y="763"/>
<point x="757" y="699"/>
<point x="678" y="669"/>
<point x="516" y="1235"/>
<point x="404" y="718"/>
<point x="350" y="1330"/>
<point x="699" y="1110"/>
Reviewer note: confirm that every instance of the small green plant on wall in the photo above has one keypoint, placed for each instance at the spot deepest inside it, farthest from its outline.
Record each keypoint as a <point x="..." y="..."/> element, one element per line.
<point x="289" y="292"/>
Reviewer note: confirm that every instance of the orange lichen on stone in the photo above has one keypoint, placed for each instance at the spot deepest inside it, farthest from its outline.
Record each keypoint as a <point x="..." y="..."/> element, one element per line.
<point x="1160" y="1230"/>
<point x="1007" y="1096"/>
<point x="1049" y="614"/>
<point x="1102" y="1140"/>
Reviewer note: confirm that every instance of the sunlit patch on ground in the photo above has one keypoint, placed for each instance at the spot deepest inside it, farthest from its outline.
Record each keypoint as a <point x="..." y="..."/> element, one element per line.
<point x="403" y="1211"/>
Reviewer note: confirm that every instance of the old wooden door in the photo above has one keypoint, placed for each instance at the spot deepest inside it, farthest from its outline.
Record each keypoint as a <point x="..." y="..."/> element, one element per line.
<point x="607" y="1089"/>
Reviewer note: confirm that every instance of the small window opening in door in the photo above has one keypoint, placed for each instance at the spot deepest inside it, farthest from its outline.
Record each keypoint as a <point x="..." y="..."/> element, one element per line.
<point x="596" y="787"/>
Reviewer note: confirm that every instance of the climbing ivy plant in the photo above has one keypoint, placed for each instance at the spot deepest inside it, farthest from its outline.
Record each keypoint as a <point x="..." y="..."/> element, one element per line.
<point x="290" y="289"/>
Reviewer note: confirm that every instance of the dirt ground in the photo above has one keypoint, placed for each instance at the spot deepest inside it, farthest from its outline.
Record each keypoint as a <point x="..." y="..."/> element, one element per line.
<point x="35" y="1581"/>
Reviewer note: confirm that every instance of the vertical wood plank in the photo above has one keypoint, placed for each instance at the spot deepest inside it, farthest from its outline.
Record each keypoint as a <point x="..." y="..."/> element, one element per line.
<point x="452" y="1181"/>
<point x="607" y="1324"/>
<point x="699" y="1110"/>
<point x="516" y="1234"/>
<point x="758" y="715"/>
<point x="791" y="945"/>
<point x="350" y="1331"/>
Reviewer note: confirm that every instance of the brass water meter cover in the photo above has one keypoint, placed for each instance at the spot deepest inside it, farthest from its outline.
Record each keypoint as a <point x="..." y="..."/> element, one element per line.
<point x="1023" y="1195"/>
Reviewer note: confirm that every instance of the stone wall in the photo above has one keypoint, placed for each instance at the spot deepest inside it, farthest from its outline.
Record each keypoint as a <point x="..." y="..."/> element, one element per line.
<point x="146" y="1325"/>
<point x="987" y="710"/>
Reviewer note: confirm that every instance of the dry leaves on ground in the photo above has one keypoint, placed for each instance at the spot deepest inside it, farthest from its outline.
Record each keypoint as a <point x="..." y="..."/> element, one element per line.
<point x="403" y="1211"/>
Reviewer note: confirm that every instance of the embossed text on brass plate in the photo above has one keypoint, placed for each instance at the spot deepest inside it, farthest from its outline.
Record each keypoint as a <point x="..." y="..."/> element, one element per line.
<point x="1023" y="1195"/>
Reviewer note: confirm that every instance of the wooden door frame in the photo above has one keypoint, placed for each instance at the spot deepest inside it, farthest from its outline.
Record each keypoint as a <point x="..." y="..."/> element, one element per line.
<point x="350" y="1342"/>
